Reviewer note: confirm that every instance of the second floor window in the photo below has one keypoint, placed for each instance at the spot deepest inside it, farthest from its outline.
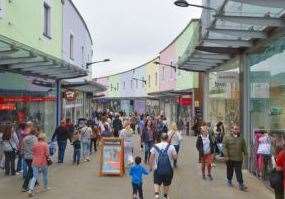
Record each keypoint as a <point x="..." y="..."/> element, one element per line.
<point x="71" y="46"/>
<point x="47" y="20"/>
<point x="156" y="78"/>
<point x="137" y="83"/>
<point x="124" y="84"/>
<point x="131" y="84"/>
<point x="148" y="80"/>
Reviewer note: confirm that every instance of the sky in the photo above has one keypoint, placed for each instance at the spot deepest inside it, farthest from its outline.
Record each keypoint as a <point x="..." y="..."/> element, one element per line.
<point x="132" y="32"/>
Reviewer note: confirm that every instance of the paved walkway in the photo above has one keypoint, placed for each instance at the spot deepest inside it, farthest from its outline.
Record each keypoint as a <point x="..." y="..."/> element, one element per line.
<point x="72" y="182"/>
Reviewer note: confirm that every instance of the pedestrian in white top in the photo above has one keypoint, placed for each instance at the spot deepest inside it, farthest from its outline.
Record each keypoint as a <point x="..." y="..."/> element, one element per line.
<point x="175" y="139"/>
<point x="85" y="134"/>
<point x="161" y="161"/>
<point x="127" y="134"/>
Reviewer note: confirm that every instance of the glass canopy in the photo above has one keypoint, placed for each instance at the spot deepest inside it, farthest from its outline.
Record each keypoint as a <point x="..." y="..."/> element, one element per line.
<point x="234" y="27"/>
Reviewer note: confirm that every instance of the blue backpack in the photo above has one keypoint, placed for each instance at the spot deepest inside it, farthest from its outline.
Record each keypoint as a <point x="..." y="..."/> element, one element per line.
<point x="164" y="167"/>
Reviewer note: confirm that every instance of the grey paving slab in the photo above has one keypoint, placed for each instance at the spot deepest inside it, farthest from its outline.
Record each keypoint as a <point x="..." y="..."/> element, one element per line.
<point x="72" y="182"/>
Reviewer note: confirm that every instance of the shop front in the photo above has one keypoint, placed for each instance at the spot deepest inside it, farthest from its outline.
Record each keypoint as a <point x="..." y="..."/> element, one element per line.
<point x="224" y="95"/>
<point x="267" y="105"/>
<point x="22" y="101"/>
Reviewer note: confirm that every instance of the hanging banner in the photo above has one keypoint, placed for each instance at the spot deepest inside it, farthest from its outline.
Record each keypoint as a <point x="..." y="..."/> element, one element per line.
<point x="184" y="101"/>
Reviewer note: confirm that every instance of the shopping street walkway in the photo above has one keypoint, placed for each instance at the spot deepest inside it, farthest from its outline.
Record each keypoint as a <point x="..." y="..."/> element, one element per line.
<point x="72" y="182"/>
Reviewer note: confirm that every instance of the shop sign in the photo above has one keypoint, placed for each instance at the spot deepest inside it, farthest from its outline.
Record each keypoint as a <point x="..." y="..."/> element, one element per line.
<point x="70" y="95"/>
<point x="260" y="90"/>
<point x="7" y="107"/>
<point x="25" y="99"/>
<point x="228" y="77"/>
<point x="184" y="101"/>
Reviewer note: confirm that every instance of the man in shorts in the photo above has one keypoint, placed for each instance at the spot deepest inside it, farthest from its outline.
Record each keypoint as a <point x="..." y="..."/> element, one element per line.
<point x="162" y="162"/>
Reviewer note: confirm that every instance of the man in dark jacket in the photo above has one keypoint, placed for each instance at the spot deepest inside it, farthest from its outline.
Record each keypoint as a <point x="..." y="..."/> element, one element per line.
<point x="61" y="134"/>
<point x="117" y="125"/>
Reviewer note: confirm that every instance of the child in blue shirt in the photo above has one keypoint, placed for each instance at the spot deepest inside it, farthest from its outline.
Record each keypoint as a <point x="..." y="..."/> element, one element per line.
<point x="136" y="172"/>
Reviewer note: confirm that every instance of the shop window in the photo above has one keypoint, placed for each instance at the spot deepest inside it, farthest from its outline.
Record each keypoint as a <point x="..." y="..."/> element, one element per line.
<point x="47" y="20"/>
<point x="143" y="82"/>
<point x="131" y="84"/>
<point x="156" y="79"/>
<point x="71" y="46"/>
<point x="82" y="56"/>
<point x="2" y="8"/>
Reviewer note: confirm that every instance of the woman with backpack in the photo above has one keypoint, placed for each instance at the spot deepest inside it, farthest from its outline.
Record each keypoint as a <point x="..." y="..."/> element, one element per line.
<point x="10" y="148"/>
<point x="175" y="139"/>
<point x="206" y="149"/>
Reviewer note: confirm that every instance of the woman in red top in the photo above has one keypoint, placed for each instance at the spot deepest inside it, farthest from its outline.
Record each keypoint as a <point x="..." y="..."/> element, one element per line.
<point x="40" y="165"/>
<point x="280" y="166"/>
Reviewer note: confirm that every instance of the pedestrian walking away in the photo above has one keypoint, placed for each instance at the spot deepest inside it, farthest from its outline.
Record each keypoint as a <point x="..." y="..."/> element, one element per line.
<point x="161" y="162"/>
<point x="234" y="151"/>
<point x="76" y="148"/>
<point x="136" y="173"/>
<point x="10" y="148"/>
<point x="40" y="155"/>
<point x="175" y="139"/>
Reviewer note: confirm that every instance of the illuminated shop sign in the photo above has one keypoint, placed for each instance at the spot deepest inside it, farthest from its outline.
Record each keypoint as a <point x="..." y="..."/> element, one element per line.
<point x="25" y="99"/>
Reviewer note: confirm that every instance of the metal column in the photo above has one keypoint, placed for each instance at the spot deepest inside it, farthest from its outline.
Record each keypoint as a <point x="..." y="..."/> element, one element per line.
<point x="58" y="101"/>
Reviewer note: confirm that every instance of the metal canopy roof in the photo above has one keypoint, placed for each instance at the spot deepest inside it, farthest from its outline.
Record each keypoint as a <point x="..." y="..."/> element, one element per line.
<point x="85" y="86"/>
<point x="235" y="27"/>
<point x="19" y="58"/>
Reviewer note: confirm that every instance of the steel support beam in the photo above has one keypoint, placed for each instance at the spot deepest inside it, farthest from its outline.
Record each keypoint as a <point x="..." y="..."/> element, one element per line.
<point x="212" y="61"/>
<point x="42" y="68"/>
<point x="239" y="33"/>
<point x="8" y="52"/>
<point x="210" y="56"/>
<point x="16" y="60"/>
<point x="227" y="43"/>
<point x="200" y="64"/>
<point x="254" y="21"/>
<point x="31" y="65"/>
<point x="264" y="3"/>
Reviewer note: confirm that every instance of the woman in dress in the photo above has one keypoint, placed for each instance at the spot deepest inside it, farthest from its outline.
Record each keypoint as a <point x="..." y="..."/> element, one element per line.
<point x="127" y="134"/>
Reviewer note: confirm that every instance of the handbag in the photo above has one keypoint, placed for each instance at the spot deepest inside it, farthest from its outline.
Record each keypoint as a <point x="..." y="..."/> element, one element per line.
<point x="49" y="161"/>
<point x="276" y="179"/>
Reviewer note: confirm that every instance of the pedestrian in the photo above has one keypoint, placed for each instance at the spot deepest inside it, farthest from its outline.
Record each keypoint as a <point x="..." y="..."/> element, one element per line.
<point x="94" y="137"/>
<point x="70" y="128"/>
<point x="279" y="163"/>
<point x="206" y="149"/>
<point x="127" y="134"/>
<point x="175" y="139"/>
<point x="117" y="125"/>
<point x="234" y="152"/>
<point x="10" y="146"/>
<point x="40" y="154"/>
<point x="1" y="147"/>
<point x="219" y="136"/>
<point x="161" y="161"/>
<point x="61" y="134"/>
<point x="136" y="172"/>
<point x="147" y="139"/>
<point x="21" y="133"/>
<point x="141" y="124"/>
<point x="105" y="128"/>
<point x="28" y="142"/>
<point x="85" y="133"/>
<point x="77" y="148"/>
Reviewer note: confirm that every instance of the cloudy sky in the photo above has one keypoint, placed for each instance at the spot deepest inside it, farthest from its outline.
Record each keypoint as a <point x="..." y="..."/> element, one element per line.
<point x="132" y="32"/>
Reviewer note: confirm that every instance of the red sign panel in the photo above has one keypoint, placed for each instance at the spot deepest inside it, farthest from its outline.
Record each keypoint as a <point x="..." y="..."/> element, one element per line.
<point x="25" y="99"/>
<point x="184" y="101"/>
<point x="7" y="107"/>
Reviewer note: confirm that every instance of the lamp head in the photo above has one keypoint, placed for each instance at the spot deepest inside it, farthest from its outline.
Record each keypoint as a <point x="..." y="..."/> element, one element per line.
<point x="181" y="3"/>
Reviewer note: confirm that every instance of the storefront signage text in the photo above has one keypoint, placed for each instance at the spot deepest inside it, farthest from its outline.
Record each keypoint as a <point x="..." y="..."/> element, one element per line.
<point x="25" y="99"/>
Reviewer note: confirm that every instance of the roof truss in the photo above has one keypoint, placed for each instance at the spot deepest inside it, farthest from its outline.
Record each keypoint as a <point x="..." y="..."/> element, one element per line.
<point x="239" y="33"/>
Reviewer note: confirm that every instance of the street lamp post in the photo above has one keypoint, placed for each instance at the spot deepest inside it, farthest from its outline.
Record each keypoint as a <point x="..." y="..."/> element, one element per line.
<point x="184" y="4"/>
<point x="96" y="62"/>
